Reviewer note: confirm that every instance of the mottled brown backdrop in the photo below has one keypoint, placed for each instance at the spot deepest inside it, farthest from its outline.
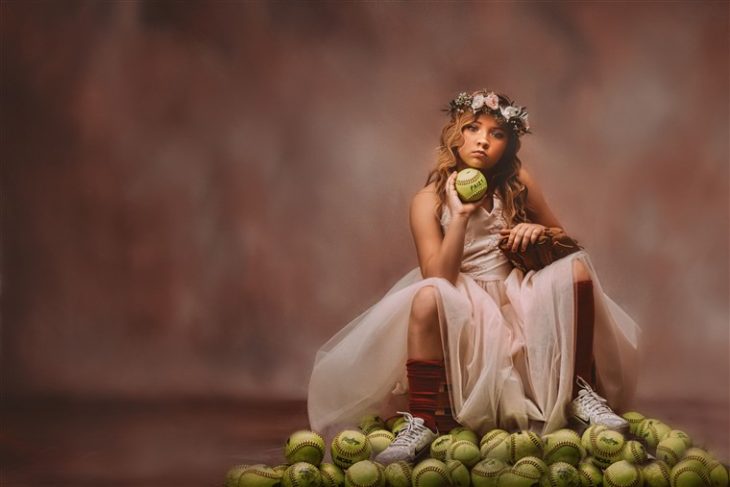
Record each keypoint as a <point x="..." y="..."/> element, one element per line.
<point x="196" y="196"/>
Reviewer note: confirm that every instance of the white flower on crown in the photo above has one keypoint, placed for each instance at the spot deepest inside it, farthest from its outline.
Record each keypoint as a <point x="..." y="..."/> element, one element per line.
<point x="492" y="100"/>
<point x="477" y="102"/>
<point x="509" y="112"/>
<point x="515" y="115"/>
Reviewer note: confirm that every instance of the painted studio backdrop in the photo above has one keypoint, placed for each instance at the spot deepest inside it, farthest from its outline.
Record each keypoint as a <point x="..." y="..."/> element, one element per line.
<point x="196" y="196"/>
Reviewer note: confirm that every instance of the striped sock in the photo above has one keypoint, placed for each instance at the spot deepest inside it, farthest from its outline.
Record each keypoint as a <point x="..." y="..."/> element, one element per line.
<point x="424" y="379"/>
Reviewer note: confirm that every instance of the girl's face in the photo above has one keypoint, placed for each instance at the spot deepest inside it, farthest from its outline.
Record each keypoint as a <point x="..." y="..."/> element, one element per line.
<point x="484" y="144"/>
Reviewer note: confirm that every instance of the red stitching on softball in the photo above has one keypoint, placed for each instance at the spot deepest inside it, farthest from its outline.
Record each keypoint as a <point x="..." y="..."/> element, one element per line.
<point x="636" y="481"/>
<point x="350" y="455"/>
<point x="406" y="471"/>
<point x="559" y="445"/>
<point x="680" y="471"/>
<point x="438" y="470"/>
<point x="259" y="473"/>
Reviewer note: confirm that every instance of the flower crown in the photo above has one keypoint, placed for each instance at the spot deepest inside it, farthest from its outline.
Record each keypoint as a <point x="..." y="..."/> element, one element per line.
<point x="489" y="103"/>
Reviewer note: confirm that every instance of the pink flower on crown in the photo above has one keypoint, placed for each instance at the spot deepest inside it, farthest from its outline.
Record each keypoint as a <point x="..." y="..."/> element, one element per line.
<point x="492" y="100"/>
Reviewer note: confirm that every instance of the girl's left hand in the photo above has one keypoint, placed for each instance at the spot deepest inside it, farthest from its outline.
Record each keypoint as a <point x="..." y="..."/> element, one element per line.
<point x="523" y="234"/>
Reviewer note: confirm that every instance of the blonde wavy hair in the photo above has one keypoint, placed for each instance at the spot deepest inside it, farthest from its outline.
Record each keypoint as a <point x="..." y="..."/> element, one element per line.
<point x="512" y="192"/>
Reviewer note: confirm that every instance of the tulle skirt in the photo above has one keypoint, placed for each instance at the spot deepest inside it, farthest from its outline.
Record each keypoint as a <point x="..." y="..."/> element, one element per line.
<point x="509" y="351"/>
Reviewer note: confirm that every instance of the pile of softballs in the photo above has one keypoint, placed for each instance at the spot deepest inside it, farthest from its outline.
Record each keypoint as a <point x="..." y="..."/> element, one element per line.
<point x="651" y="454"/>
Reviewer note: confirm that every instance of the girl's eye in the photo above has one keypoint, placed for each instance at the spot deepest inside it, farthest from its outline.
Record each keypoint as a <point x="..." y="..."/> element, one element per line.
<point x="471" y="127"/>
<point x="498" y="134"/>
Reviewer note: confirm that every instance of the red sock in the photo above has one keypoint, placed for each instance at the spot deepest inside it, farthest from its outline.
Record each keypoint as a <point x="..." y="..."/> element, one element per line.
<point x="424" y="378"/>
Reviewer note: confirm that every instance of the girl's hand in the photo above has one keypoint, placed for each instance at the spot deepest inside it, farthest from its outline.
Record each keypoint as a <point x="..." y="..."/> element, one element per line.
<point x="456" y="206"/>
<point x="523" y="234"/>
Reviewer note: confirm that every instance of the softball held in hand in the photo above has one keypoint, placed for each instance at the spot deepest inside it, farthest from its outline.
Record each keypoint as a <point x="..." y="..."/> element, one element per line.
<point x="470" y="185"/>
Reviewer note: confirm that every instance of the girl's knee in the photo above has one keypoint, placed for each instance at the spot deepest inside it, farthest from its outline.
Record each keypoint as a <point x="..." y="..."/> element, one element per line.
<point x="580" y="272"/>
<point x="424" y="305"/>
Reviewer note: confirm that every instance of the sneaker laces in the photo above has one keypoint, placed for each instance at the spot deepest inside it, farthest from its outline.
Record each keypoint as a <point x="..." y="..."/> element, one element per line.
<point x="410" y="433"/>
<point x="590" y="401"/>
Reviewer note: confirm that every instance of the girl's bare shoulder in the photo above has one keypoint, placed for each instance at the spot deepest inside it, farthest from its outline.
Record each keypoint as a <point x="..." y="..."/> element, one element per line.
<point x="427" y="194"/>
<point x="426" y="200"/>
<point x="525" y="177"/>
<point x="522" y="174"/>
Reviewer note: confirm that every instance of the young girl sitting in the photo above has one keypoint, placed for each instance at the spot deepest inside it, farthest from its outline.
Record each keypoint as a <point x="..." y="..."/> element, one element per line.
<point x="517" y="350"/>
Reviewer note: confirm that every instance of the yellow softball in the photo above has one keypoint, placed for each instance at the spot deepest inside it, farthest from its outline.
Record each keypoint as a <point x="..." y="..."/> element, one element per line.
<point x="470" y="184"/>
<point x="380" y="440"/>
<point x="304" y="446"/>
<point x="349" y="447"/>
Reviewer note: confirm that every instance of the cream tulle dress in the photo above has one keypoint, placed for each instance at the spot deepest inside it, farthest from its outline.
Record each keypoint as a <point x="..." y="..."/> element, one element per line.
<point x="508" y="340"/>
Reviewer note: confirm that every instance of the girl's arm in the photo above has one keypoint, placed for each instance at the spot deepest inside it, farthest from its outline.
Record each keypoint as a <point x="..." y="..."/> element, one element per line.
<point x="439" y="255"/>
<point x="538" y="213"/>
<point x="537" y="208"/>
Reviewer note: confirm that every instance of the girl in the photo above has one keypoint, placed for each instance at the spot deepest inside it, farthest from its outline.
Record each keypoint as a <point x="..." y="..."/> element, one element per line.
<point x="518" y="351"/>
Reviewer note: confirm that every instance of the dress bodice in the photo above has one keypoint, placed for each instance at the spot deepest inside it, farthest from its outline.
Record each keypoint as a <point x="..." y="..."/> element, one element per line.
<point x="482" y="259"/>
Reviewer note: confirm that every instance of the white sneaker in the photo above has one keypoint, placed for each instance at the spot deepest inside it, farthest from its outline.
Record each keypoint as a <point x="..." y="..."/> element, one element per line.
<point x="410" y="443"/>
<point x="591" y="408"/>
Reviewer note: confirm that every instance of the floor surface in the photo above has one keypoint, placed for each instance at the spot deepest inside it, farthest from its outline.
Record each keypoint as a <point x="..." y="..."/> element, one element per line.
<point x="193" y="443"/>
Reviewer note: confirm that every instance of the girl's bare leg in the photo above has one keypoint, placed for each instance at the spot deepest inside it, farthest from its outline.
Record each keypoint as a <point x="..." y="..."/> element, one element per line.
<point x="589" y="407"/>
<point x="425" y="365"/>
<point x="426" y="374"/>
<point x="424" y="333"/>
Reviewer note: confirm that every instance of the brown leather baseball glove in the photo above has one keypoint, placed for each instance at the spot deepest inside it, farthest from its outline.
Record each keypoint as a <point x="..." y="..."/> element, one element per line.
<point x="552" y="245"/>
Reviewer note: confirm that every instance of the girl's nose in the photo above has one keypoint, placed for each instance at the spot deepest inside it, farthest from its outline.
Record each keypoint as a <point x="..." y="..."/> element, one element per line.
<point x="482" y="141"/>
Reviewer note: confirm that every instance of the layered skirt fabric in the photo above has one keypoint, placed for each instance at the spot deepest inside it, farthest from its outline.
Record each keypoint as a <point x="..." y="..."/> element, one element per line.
<point x="509" y="350"/>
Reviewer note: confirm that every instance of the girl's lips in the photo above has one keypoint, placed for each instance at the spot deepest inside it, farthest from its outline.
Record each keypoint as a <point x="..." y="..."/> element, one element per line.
<point x="479" y="153"/>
